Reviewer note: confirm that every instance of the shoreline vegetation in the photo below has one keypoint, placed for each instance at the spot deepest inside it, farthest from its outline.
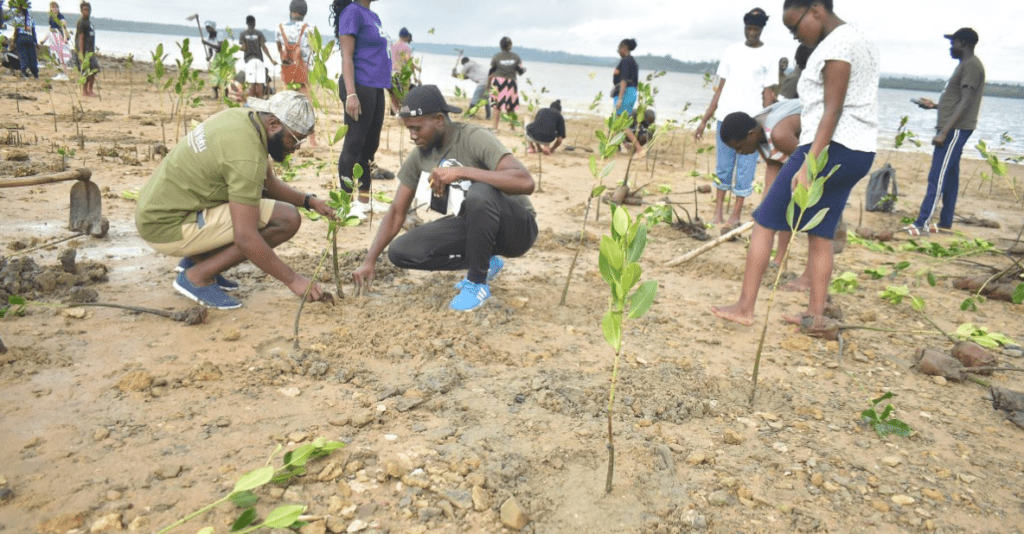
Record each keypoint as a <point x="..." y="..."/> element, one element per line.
<point x="646" y="62"/>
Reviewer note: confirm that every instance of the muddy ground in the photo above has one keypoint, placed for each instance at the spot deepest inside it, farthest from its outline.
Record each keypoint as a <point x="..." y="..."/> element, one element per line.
<point x="112" y="419"/>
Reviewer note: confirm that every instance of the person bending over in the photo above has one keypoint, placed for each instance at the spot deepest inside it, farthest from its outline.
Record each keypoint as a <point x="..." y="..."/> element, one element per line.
<point x="203" y="202"/>
<point x="547" y="130"/>
<point x="496" y="218"/>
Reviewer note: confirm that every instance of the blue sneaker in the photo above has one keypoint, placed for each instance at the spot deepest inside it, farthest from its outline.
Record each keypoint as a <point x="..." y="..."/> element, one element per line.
<point x="471" y="296"/>
<point x="225" y="284"/>
<point x="211" y="296"/>
<point x="493" y="268"/>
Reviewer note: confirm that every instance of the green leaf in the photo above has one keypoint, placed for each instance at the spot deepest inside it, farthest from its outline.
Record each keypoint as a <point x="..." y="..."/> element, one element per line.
<point x="917" y="303"/>
<point x="610" y="250"/>
<point x="800" y="196"/>
<point x="791" y="214"/>
<point x="357" y="171"/>
<point x="620" y="221"/>
<point x="596" y="192"/>
<point x="254" y="479"/>
<point x="338" y="135"/>
<point x="593" y="165"/>
<point x="968" y="305"/>
<point x="606" y="270"/>
<point x="931" y="278"/>
<point x="283" y="516"/>
<point x="611" y="326"/>
<point x="815" y="221"/>
<point x="301" y="454"/>
<point x="607" y="169"/>
<point x="244" y="520"/>
<point x="1018" y="294"/>
<point x="642" y="299"/>
<point x="244" y="499"/>
<point x="205" y="530"/>
<point x="630" y="276"/>
<point x="636" y="248"/>
<point x="817" y="189"/>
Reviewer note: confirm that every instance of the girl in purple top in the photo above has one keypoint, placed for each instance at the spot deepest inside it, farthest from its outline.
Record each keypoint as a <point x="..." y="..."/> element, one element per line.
<point x="365" y="74"/>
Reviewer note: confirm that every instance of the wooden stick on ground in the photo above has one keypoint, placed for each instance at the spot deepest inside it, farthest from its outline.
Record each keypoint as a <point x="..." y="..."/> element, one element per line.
<point x="710" y="245"/>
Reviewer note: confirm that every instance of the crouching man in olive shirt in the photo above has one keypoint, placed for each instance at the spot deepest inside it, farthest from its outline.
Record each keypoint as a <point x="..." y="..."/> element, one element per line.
<point x="496" y="217"/>
<point x="203" y="202"/>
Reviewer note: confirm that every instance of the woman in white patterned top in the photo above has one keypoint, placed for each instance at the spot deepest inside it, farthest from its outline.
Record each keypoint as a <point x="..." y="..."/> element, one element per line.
<point x="839" y="91"/>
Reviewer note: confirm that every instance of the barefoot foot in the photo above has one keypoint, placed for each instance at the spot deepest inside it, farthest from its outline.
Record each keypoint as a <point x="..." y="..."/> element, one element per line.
<point x="732" y="313"/>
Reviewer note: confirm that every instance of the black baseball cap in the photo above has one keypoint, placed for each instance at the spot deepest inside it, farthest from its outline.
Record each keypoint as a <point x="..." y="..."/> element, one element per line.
<point x="425" y="100"/>
<point x="965" y="35"/>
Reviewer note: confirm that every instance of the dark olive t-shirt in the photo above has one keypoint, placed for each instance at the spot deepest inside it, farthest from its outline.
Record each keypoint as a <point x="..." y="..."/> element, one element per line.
<point x="506" y="64"/>
<point x="969" y="73"/>
<point x="88" y="33"/>
<point x="223" y="159"/>
<point x="467" y="144"/>
<point x="252" y="41"/>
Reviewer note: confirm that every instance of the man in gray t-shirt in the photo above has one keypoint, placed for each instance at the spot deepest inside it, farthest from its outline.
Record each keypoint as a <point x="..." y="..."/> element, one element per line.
<point x="958" y="117"/>
<point x="495" y="219"/>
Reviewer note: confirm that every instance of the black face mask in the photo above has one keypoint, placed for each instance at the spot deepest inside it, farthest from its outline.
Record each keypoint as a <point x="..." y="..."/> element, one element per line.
<point x="275" y="146"/>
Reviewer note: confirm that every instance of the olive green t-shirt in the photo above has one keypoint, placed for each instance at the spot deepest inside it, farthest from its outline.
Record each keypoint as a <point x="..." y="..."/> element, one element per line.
<point x="469" y="145"/>
<point x="506" y="64"/>
<point x="223" y="159"/>
<point x="969" y="73"/>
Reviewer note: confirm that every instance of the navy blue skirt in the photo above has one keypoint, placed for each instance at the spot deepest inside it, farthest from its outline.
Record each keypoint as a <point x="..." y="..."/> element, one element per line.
<point x="853" y="165"/>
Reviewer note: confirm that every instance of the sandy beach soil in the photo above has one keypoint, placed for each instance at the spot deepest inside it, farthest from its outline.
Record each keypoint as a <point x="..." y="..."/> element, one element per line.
<point x="114" y="420"/>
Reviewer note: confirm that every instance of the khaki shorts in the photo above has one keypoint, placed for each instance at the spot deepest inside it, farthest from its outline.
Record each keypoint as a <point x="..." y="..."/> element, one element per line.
<point x="215" y="232"/>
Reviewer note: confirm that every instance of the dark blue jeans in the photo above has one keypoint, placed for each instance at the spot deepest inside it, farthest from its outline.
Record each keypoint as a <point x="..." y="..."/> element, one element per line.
<point x="944" y="180"/>
<point x="27" y="53"/>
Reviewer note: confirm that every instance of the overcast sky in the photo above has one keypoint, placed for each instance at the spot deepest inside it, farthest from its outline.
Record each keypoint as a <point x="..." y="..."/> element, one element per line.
<point x="908" y="33"/>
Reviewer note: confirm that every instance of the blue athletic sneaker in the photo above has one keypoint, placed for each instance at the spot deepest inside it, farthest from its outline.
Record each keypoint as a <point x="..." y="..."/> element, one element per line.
<point x="493" y="268"/>
<point x="471" y="296"/>
<point x="211" y="296"/>
<point x="225" y="284"/>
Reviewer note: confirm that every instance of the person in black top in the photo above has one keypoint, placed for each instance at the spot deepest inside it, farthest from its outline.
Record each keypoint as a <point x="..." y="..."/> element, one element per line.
<point x="547" y="127"/>
<point x="626" y="78"/>
<point x="254" y="45"/>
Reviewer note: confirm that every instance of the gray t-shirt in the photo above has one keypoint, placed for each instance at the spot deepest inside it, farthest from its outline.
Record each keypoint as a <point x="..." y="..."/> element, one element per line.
<point x="506" y="64"/>
<point x="969" y="73"/>
<point x="467" y="144"/>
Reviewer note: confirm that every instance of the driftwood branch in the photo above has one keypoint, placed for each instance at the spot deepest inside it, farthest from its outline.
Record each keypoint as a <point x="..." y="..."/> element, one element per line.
<point x="710" y="245"/>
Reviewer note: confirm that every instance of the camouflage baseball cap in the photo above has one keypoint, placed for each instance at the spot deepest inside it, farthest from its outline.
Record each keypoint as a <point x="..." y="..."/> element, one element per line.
<point x="292" y="108"/>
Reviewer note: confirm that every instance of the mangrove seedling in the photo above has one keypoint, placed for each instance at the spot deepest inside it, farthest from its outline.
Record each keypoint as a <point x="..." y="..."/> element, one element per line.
<point x="243" y="494"/>
<point x="803" y="197"/>
<point x="884" y="423"/>
<point x="620" y="269"/>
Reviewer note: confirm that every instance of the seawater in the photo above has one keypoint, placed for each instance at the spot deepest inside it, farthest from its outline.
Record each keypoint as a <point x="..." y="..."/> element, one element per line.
<point x="680" y="96"/>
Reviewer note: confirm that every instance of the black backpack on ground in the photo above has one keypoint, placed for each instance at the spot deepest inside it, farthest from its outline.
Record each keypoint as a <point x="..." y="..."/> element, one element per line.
<point x="882" y="191"/>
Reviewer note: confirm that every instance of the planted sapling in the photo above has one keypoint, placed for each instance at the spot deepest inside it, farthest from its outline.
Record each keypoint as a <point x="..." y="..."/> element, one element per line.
<point x="620" y="269"/>
<point x="884" y="423"/>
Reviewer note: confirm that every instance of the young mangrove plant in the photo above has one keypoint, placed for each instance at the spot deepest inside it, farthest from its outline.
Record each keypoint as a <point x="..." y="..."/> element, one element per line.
<point x="608" y="145"/>
<point x="620" y="269"/>
<point x="243" y="494"/>
<point x="803" y="197"/>
<point x="884" y="423"/>
<point x="158" y="81"/>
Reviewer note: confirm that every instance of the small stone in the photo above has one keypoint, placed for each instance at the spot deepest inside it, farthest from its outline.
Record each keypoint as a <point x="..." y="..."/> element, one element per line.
<point x="967" y="479"/>
<point x="298" y="436"/>
<point x="719" y="498"/>
<point x="817" y="479"/>
<point x="113" y="495"/>
<point x="880" y="506"/>
<point x="75" y="313"/>
<point x="922" y="512"/>
<point x="100" y="434"/>
<point x="357" y="525"/>
<point x="732" y="437"/>
<point x="290" y="391"/>
<point x="830" y="487"/>
<point x="940" y="380"/>
<point x="446" y="507"/>
<point x="233" y="335"/>
<point x="696" y="458"/>
<point x="459" y="498"/>
<point x="481" y="500"/>
<point x="891" y="461"/>
<point x="135" y="381"/>
<point x="512" y="515"/>
<point x="396" y="351"/>
<point x="335" y="525"/>
<point x="315" y="527"/>
<point x="168" y="472"/>
<point x="362" y="419"/>
<point x="903" y="500"/>
<point x="107" y="523"/>
<point x="138" y="524"/>
<point x="780" y="447"/>
<point x="932" y="494"/>
<point x="293" y="495"/>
